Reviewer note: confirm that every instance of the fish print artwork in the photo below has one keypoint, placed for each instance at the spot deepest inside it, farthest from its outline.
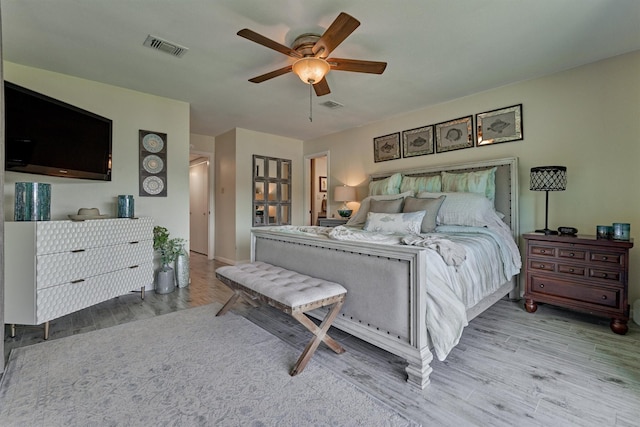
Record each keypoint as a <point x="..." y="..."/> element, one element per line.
<point x="500" y="125"/>
<point x="386" y="147"/>
<point x="418" y="141"/>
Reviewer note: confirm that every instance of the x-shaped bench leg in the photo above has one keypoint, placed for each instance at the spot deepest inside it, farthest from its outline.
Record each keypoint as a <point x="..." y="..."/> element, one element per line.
<point x="320" y="335"/>
<point x="236" y="294"/>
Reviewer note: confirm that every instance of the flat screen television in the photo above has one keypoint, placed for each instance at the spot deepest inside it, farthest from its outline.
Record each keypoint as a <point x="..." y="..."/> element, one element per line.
<point x="46" y="136"/>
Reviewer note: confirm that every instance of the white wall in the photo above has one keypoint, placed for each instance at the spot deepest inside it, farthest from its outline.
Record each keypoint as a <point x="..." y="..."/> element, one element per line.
<point x="205" y="145"/>
<point x="130" y="111"/>
<point x="234" y="187"/>
<point x="586" y="119"/>
<point x="225" y="197"/>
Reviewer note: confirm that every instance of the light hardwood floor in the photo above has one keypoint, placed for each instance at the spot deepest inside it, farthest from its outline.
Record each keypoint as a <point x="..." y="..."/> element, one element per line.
<point x="550" y="368"/>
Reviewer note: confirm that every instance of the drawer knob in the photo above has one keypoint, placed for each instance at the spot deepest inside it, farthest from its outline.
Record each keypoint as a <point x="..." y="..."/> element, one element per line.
<point x="542" y="251"/>
<point x="604" y="275"/>
<point x="541" y="266"/>
<point x="542" y="285"/>
<point x="572" y="254"/>
<point x="571" y="270"/>
<point x="604" y="258"/>
<point x="604" y="297"/>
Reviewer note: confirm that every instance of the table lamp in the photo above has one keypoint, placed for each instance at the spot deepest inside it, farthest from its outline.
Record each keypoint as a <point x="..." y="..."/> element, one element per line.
<point x="344" y="194"/>
<point x="548" y="178"/>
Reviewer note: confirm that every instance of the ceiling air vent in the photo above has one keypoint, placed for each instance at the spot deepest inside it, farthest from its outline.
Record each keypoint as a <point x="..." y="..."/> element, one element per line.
<point x="332" y="104"/>
<point x="165" y="46"/>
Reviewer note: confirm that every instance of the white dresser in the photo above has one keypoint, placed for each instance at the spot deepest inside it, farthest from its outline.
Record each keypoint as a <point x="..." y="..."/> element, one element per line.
<point x="53" y="268"/>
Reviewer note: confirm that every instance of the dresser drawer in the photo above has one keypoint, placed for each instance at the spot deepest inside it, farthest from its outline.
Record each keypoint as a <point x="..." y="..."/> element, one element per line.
<point x="589" y="295"/>
<point x="55" y="269"/>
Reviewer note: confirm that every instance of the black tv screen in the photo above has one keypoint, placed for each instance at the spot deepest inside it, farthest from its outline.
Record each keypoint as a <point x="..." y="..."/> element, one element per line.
<point x="49" y="137"/>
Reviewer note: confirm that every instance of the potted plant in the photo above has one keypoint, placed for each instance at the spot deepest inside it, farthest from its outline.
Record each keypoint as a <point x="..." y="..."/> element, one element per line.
<point x="168" y="250"/>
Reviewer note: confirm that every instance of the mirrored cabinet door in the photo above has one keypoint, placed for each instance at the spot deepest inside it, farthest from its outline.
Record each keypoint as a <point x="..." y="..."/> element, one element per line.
<point x="271" y="191"/>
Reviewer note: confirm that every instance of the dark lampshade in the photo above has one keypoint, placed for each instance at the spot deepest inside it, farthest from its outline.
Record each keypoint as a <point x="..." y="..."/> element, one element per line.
<point x="548" y="178"/>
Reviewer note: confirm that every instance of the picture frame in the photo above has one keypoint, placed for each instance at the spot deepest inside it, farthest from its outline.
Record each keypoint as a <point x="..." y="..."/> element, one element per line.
<point x="322" y="185"/>
<point x="501" y="125"/>
<point x="417" y="142"/>
<point x="454" y="135"/>
<point x="386" y="147"/>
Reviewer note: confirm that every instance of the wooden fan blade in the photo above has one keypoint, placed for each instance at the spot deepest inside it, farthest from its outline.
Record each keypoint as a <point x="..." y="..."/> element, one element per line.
<point x="357" y="65"/>
<point x="322" y="87"/>
<point x="272" y="74"/>
<point x="267" y="42"/>
<point x="339" y="30"/>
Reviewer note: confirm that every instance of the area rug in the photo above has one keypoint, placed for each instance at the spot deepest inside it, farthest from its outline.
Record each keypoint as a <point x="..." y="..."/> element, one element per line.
<point x="187" y="368"/>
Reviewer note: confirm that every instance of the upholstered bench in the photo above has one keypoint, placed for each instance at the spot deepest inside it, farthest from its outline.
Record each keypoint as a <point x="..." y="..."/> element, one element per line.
<point x="290" y="292"/>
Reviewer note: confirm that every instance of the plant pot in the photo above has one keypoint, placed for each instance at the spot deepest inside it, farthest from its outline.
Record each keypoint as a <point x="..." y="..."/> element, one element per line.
<point x="165" y="280"/>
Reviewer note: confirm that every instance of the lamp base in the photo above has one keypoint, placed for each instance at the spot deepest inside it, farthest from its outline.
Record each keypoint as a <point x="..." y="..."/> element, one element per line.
<point x="547" y="232"/>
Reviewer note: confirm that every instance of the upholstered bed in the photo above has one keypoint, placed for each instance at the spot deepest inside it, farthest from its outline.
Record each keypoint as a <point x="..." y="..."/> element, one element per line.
<point x="413" y="292"/>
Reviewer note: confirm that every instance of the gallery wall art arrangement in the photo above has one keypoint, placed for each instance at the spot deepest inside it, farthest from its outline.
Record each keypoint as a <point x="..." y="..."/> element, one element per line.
<point x="491" y="127"/>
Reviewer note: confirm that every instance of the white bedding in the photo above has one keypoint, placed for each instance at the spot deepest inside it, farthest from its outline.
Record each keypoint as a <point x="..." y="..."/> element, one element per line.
<point x="453" y="284"/>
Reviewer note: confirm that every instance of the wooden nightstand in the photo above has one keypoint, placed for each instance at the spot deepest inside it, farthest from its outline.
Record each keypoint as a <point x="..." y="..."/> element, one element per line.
<point x="582" y="273"/>
<point x="332" y="222"/>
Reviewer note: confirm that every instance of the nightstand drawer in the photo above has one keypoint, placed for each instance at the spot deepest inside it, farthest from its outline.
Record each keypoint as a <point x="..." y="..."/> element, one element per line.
<point x="612" y="275"/>
<point x="572" y="254"/>
<point x="592" y="295"/>
<point x="544" y="265"/>
<point x="606" y="257"/>
<point x="542" y="251"/>
<point x="578" y="270"/>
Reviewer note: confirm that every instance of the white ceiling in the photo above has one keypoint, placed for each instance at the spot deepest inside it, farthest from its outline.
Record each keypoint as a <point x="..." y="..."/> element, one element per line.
<point x="437" y="50"/>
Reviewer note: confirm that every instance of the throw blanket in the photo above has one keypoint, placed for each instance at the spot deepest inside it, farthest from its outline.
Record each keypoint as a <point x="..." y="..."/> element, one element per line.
<point x="451" y="253"/>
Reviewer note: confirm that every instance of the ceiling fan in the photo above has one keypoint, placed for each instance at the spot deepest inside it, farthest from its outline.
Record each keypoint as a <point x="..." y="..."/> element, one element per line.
<point x="311" y="53"/>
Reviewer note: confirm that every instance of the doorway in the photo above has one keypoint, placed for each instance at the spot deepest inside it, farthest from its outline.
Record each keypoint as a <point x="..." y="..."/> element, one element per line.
<point x="317" y="178"/>
<point x="199" y="205"/>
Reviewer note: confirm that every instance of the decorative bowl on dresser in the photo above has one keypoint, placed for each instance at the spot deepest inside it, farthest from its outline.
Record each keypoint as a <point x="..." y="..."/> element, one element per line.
<point x="579" y="272"/>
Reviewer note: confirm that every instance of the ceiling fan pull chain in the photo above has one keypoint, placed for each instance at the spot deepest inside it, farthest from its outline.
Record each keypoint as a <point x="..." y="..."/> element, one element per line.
<point x="310" y="104"/>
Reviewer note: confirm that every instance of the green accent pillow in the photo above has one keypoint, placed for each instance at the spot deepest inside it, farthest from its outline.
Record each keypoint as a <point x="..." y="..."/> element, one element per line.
<point x="432" y="184"/>
<point x="482" y="182"/>
<point x="389" y="185"/>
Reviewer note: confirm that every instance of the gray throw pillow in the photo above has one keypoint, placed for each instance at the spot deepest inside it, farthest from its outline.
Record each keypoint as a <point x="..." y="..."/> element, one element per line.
<point x="431" y="206"/>
<point x="386" y="206"/>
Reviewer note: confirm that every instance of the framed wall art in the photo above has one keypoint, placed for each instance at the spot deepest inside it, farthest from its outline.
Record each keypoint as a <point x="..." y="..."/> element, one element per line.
<point x="323" y="184"/>
<point x="153" y="164"/>
<point x="502" y="125"/>
<point x="386" y="147"/>
<point x="417" y="142"/>
<point x="454" y="134"/>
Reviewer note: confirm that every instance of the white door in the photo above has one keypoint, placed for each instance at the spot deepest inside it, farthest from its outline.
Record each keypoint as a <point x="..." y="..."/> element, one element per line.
<point x="199" y="207"/>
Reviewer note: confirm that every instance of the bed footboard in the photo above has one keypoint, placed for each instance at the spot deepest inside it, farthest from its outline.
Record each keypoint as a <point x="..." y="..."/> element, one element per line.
<point x="386" y="297"/>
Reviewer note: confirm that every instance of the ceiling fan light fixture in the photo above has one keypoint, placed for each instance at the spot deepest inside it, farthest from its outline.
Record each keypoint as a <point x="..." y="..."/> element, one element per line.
<point x="310" y="69"/>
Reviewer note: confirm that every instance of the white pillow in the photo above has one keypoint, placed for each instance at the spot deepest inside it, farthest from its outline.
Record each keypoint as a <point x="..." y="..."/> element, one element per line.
<point x="360" y="217"/>
<point x="405" y="223"/>
<point x="469" y="209"/>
